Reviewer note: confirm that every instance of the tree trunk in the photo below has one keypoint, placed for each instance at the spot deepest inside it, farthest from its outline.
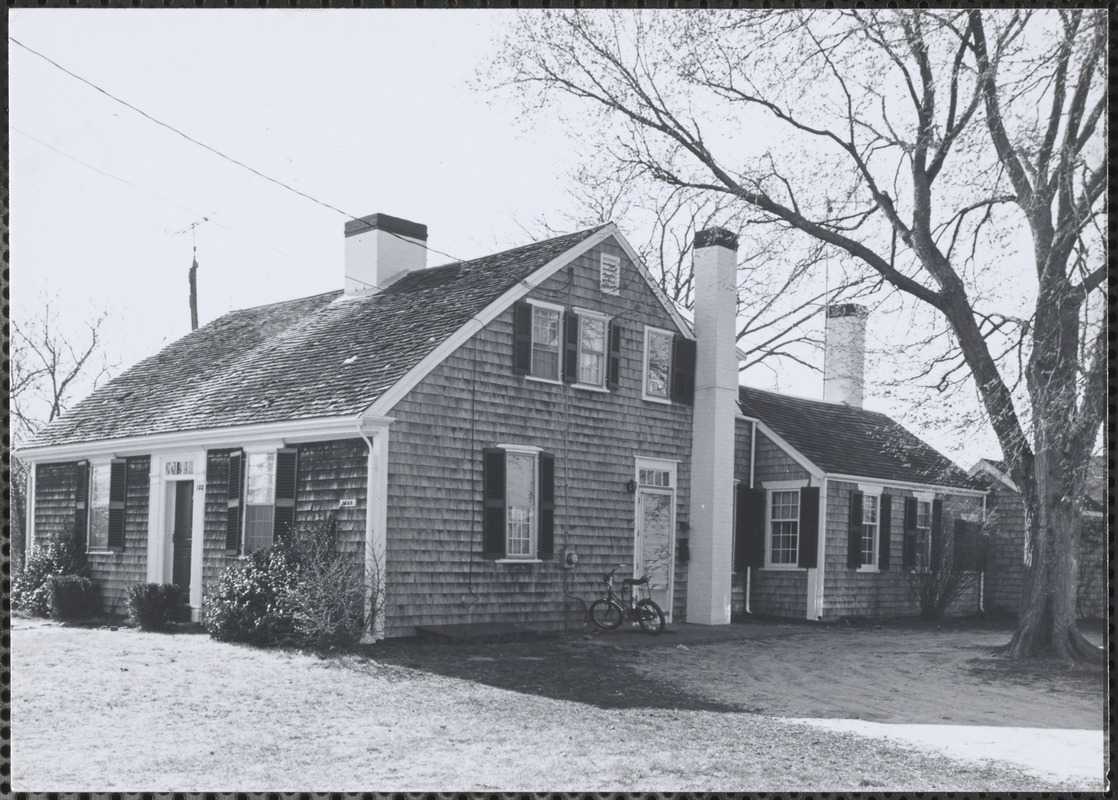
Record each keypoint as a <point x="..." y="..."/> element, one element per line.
<point x="1046" y="626"/>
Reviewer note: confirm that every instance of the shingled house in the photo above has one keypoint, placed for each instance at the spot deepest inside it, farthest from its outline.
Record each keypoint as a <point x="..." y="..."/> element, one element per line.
<point x="494" y="434"/>
<point x="1006" y="511"/>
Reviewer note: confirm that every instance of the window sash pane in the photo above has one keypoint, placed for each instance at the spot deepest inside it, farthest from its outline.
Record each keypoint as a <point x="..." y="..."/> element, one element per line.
<point x="260" y="487"/>
<point x="784" y="513"/>
<point x="258" y="527"/>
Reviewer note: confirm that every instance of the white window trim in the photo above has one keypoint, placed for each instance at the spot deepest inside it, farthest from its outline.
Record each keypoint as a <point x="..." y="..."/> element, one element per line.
<point x="613" y="261"/>
<point x="532" y="341"/>
<point x="583" y="313"/>
<point x="534" y="540"/>
<point x="648" y="331"/>
<point x="781" y="486"/>
<point x="872" y="490"/>
<point x="99" y="461"/>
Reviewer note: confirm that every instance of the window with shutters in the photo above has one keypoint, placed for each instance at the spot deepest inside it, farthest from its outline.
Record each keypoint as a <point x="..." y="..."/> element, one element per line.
<point x="611" y="274"/>
<point x="269" y="498"/>
<point x="784" y="528"/>
<point x="519" y="518"/>
<point x="870" y="522"/>
<point x="669" y="367"/>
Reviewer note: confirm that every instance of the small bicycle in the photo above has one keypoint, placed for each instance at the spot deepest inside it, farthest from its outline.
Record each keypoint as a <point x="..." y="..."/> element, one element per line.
<point x="609" y="611"/>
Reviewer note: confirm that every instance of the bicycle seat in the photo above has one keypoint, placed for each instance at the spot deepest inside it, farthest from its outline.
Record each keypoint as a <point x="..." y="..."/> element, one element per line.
<point x="634" y="581"/>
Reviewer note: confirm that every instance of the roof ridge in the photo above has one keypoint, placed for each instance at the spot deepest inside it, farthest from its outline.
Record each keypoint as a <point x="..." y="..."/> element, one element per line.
<point x="583" y="232"/>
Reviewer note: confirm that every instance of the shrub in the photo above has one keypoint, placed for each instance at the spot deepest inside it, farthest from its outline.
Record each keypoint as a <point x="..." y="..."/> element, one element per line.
<point x="301" y="592"/>
<point x="72" y="597"/>
<point x="152" y="606"/>
<point x="61" y="554"/>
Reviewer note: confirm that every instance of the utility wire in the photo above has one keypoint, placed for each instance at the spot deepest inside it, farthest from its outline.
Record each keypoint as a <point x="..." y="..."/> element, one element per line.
<point x="213" y="150"/>
<point x="153" y="194"/>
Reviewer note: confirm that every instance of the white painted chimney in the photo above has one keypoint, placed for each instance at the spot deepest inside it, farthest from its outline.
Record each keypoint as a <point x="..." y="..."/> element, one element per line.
<point x="379" y="249"/>
<point x="844" y="359"/>
<point x="712" y="443"/>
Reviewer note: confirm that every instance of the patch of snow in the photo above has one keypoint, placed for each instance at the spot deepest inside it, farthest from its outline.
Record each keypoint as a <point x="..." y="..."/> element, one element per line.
<point x="1049" y="753"/>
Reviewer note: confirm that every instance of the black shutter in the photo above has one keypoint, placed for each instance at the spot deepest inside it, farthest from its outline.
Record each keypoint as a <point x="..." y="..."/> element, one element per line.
<point x="546" y="535"/>
<point x="493" y="535"/>
<point x="233" y="514"/>
<point x="809" y="527"/>
<point x="522" y="338"/>
<point x="283" y="520"/>
<point x="908" y="557"/>
<point x="683" y="370"/>
<point x="937" y="536"/>
<point x="613" y="378"/>
<point x="854" y="544"/>
<point x="570" y="347"/>
<point x="81" y="506"/>
<point x="885" y="531"/>
<point x="749" y="545"/>
<point x="118" y="491"/>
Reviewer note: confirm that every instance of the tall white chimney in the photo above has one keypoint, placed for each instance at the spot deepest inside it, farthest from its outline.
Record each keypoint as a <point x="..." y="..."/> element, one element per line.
<point x="844" y="359"/>
<point x="712" y="443"/>
<point x="379" y="249"/>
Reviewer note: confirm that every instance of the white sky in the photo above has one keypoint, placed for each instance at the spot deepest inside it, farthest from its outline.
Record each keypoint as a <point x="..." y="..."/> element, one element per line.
<point x="365" y="111"/>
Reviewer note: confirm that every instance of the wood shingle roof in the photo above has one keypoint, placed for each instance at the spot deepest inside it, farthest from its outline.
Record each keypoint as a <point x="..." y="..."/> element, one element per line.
<point x="321" y="356"/>
<point x="843" y="440"/>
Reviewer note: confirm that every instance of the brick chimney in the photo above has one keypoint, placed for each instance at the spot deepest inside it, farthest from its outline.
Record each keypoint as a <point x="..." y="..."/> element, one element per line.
<point x="712" y="443"/>
<point x="379" y="249"/>
<point x="844" y="359"/>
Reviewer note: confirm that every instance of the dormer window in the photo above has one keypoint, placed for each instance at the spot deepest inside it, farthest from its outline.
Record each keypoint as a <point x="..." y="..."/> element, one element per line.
<point x="610" y="274"/>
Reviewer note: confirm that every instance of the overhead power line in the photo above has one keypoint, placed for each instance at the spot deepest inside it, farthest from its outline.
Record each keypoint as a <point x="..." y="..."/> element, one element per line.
<point x="207" y="147"/>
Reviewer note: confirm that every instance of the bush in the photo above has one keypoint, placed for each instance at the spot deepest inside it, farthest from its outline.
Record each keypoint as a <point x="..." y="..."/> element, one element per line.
<point x="152" y="606"/>
<point x="61" y="554"/>
<point x="72" y="597"/>
<point x="301" y="592"/>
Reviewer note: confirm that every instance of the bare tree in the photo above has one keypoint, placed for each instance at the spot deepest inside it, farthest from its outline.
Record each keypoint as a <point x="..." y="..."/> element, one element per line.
<point x="780" y="287"/>
<point x="959" y="156"/>
<point x="49" y="367"/>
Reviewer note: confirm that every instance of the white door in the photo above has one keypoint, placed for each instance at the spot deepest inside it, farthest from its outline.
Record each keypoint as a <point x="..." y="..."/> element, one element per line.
<point x="655" y="544"/>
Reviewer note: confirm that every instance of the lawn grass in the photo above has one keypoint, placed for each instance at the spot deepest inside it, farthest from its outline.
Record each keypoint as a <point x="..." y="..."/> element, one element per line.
<point x="102" y="710"/>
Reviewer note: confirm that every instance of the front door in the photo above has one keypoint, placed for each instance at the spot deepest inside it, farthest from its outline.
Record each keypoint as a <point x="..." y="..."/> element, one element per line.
<point x="182" y="533"/>
<point x="654" y="544"/>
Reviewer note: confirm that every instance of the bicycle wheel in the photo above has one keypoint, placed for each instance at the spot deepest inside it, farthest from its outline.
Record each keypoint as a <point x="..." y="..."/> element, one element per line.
<point x="650" y="617"/>
<point x="605" y="614"/>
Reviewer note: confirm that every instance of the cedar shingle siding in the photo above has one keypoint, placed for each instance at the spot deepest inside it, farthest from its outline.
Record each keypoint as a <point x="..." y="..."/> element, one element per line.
<point x="56" y="490"/>
<point x="473" y="401"/>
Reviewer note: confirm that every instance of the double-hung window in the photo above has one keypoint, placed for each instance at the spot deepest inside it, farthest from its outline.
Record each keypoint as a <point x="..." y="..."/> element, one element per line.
<point x="519" y="508"/>
<point x="669" y="367"/>
<point x="870" y="521"/>
<point x="784" y="528"/>
<point x="923" y="534"/>
<point x="591" y="335"/>
<point x="106" y="496"/>
<point x="537" y="340"/>
<point x="261" y="498"/>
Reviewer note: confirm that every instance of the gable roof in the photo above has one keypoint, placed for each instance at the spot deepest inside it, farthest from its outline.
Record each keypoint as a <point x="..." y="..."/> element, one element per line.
<point x="843" y="440"/>
<point x="321" y="356"/>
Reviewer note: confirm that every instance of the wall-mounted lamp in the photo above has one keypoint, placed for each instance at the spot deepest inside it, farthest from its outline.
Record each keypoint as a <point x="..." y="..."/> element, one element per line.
<point x="631" y="486"/>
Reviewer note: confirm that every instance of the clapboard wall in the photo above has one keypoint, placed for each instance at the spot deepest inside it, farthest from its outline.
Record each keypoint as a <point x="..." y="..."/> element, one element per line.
<point x="473" y="401"/>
